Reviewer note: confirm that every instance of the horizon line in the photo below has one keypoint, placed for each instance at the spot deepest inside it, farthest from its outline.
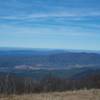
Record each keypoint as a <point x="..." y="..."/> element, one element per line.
<point x="33" y="48"/>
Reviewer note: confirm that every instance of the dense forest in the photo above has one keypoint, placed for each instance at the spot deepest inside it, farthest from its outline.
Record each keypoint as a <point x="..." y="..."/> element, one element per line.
<point x="10" y="84"/>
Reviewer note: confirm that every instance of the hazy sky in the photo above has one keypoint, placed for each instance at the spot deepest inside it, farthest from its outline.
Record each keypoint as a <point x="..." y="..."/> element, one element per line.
<point x="64" y="24"/>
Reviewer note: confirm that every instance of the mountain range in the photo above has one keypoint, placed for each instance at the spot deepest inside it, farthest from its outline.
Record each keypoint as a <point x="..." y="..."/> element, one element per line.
<point x="38" y="63"/>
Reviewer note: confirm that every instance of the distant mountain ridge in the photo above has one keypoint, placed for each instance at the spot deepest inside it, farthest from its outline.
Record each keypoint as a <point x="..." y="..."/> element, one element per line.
<point x="48" y="58"/>
<point x="47" y="49"/>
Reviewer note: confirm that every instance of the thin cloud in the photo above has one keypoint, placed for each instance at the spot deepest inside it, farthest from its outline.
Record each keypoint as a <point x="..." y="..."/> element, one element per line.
<point x="74" y="16"/>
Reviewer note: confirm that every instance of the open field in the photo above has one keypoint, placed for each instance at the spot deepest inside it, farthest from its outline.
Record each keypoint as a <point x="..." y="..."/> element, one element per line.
<point x="92" y="94"/>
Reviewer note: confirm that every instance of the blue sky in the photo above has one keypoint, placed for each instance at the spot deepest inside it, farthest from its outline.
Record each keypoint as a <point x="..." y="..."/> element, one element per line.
<point x="63" y="24"/>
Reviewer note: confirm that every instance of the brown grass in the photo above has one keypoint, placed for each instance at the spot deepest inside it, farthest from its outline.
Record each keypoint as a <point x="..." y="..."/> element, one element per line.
<point x="93" y="94"/>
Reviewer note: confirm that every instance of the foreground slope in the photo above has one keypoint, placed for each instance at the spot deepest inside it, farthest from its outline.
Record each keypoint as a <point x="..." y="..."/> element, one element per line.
<point x="70" y="95"/>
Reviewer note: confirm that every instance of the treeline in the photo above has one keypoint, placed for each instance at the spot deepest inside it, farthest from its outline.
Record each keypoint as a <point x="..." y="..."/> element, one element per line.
<point x="10" y="84"/>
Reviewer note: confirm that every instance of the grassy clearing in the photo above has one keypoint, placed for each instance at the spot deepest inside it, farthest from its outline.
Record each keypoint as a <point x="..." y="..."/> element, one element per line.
<point x="93" y="94"/>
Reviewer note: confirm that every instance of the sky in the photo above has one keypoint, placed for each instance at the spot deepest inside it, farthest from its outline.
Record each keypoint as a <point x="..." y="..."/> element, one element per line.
<point x="62" y="24"/>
